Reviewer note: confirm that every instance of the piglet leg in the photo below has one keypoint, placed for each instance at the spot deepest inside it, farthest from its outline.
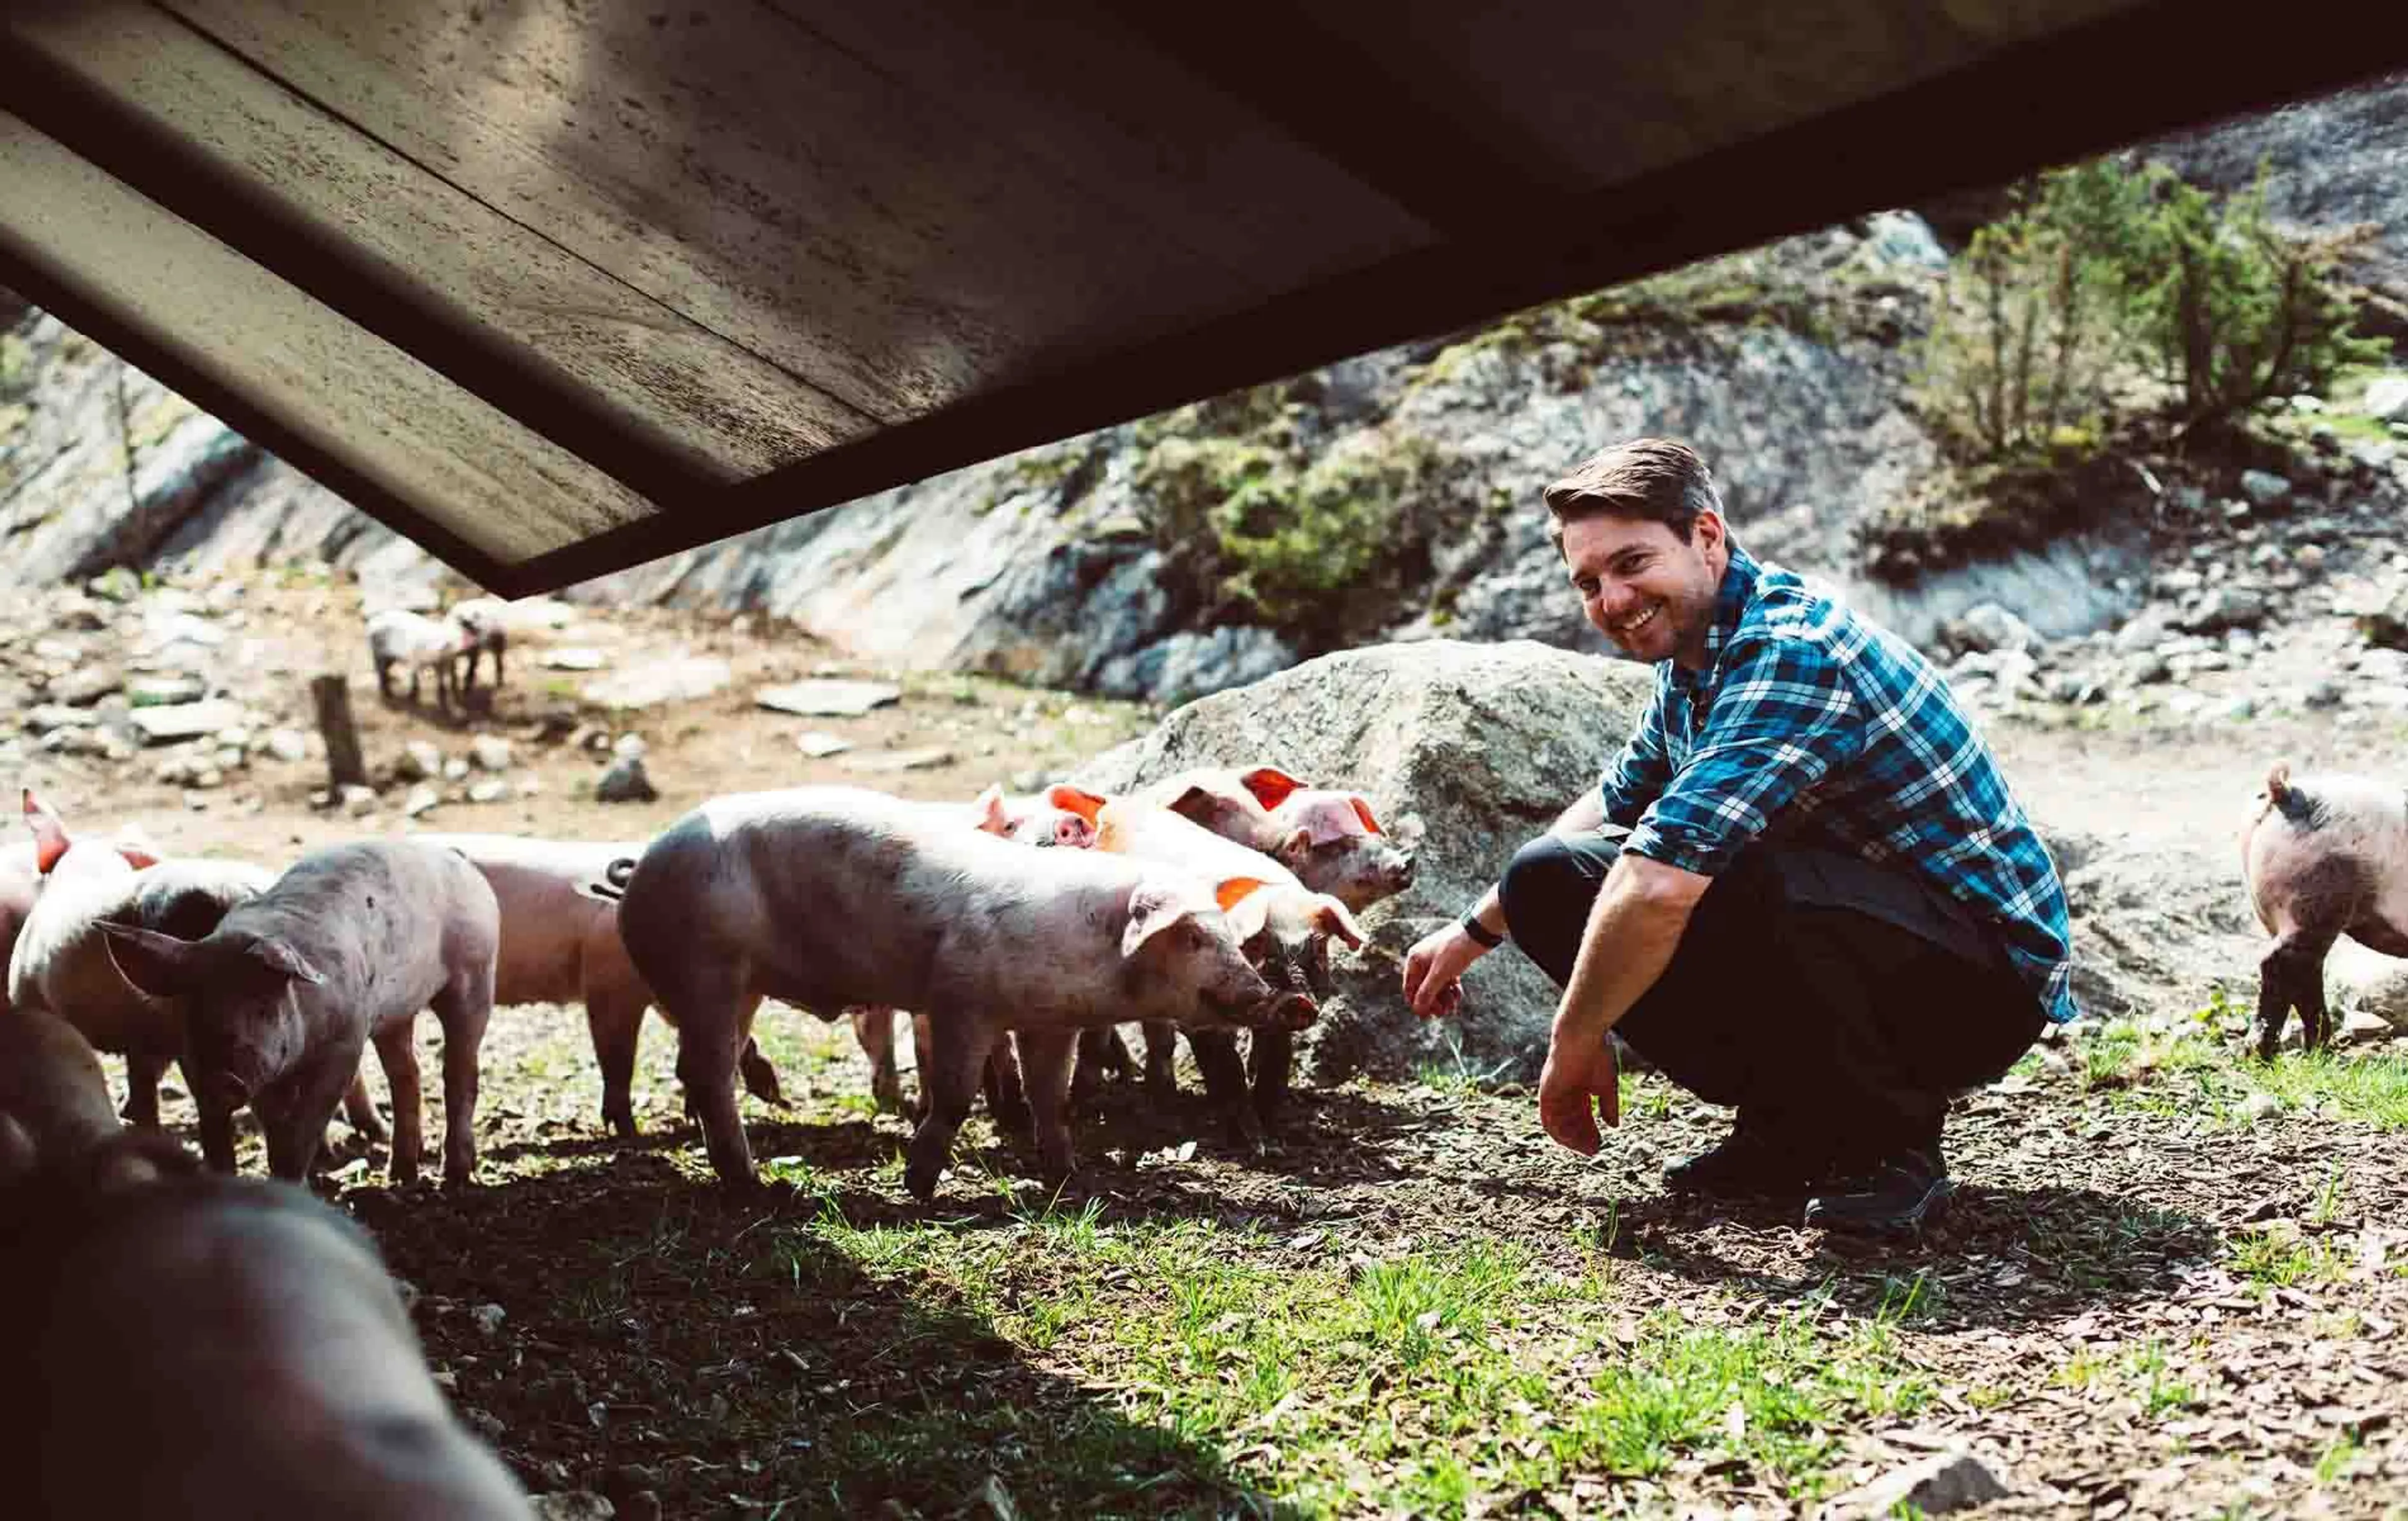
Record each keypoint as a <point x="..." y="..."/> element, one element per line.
<point x="761" y="1079"/>
<point x="948" y="1081"/>
<point x="142" y="1074"/>
<point x="463" y="1010"/>
<point x="1046" y="1059"/>
<point x="1007" y="1096"/>
<point x="293" y="1113"/>
<point x="1224" y="1082"/>
<point x="615" y="1019"/>
<point x="399" y="1058"/>
<point x="1161" y="1057"/>
<point x="874" y="1029"/>
<point x="360" y="1109"/>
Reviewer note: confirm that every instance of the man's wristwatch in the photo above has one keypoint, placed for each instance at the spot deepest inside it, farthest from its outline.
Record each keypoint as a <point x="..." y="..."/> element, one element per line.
<point x="1481" y="934"/>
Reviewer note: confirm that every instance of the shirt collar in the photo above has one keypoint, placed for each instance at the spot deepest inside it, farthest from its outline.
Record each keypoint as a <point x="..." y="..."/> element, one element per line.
<point x="1731" y="599"/>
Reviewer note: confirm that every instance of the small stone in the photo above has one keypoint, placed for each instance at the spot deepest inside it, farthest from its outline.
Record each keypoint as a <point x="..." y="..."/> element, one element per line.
<point x="183" y="720"/>
<point x="625" y="782"/>
<point x="1933" y="1486"/>
<point x="45" y="717"/>
<point x="491" y="789"/>
<point x="288" y="745"/>
<point x="572" y="658"/>
<point x="488" y="1318"/>
<point x="900" y="760"/>
<point x="676" y="678"/>
<point x="85" y="685"/>
<point x="590" y="737"/>
<point x="420" y="761"/>
<point x="571" y="1505"/>
<point x="2359" y="1025"/>
<point x="422" y="799"/>
<point x="165" y="689"/>
<point x="485" y="1424"/>
<point x="2259" y="1106"/>
<point x="456" y="769"/>
<point x="629" y="747"/>
<point x="490" y="751"/>
<point x="2309" y="556"/>
<point x="359" y="801"/>
<point x="2263" y="487"/>
<point x="825" y="699"/>
<point x="818" y="744"/>
<point x="2320" y="693"/>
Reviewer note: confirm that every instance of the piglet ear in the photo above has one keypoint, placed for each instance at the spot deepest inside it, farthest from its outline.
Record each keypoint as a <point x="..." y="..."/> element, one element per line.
<point x="1268" y="784"/>
<point x="281" y="959"/>
<point x="1247" y="906"/>
<point x="49" y="836"/>
<point x="1329" y="917"/>
<point x="991" y="816"/>
<point x="1153" y="908"/>
<point x="1192" y="803"/>
<point x="1363" y="812"/>
<point x="135" y="844"/>
<point x="159" y="964"/>
<point x="1232" y="889"/>
<point x="1071" y="800"/>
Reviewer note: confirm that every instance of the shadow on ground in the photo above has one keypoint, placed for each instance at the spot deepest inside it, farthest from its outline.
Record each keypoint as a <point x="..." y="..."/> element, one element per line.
<point x="661" y="1335"/>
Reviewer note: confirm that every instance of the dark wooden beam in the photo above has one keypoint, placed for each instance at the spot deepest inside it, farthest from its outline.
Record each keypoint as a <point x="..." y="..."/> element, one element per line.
<point x="181" y="176"/>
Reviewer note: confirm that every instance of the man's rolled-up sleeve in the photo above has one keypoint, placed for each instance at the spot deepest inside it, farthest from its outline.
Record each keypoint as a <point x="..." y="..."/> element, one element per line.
<point x="1637" y="774"/>
<point x="1783" y="719"/>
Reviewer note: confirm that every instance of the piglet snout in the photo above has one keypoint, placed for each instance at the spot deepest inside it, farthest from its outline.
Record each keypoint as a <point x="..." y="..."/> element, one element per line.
<point x="1289" y="1011"/>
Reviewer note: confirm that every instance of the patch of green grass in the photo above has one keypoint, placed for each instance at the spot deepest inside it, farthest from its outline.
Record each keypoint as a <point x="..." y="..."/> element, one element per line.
<point x="2337" y="1456"/>
<point x="2153" y="1381"/>
<point x="2278" y="1259"/>
<point x="2370" y="1089"/>
<point x="1428" y="1382"/>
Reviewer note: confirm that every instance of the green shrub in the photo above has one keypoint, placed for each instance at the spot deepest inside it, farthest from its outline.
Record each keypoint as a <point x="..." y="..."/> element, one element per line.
<point x="1255" y="533"/>
<point x="2239" y="313"/>
<point x="2103" y="278"/>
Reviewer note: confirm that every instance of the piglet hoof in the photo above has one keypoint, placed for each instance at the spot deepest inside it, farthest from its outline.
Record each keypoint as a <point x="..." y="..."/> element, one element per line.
<point x="888" y="1096"/>
<point x="1161" y="1079"/>
<point x="921" y="1182"/>
<point x="620" y="1122"/>
<point x="761" y="1080"/>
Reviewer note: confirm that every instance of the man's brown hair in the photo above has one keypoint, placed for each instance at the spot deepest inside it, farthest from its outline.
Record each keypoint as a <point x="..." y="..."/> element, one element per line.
<point x="1652" y="480"/>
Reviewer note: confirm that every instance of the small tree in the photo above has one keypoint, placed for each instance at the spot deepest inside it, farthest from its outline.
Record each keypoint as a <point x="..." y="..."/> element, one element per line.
<point x="2103" y="271"/>
<point x="2031" y="318"/>
<point x="2239" y="313"/>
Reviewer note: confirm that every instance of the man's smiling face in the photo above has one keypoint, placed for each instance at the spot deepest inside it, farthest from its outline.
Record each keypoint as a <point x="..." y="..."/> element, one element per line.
<point x="1644" y="586"/>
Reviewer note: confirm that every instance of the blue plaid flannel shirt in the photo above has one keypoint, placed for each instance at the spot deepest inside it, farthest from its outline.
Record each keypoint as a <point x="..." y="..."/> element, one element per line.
<point x="1842" y="731"/>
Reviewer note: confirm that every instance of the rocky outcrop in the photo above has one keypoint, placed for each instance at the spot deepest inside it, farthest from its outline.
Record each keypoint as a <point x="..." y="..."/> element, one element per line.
<point x="1486" y="744"/>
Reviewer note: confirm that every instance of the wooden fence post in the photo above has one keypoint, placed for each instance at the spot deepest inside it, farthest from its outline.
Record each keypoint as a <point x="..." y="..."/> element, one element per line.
<point x="332" y="696"/>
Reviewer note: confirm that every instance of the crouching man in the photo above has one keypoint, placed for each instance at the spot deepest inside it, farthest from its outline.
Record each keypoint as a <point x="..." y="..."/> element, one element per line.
<point x="1802" y="889"/>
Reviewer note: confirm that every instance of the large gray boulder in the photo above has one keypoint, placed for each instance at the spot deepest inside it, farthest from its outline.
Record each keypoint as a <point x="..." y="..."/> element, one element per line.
<point x="1485" y="743"/>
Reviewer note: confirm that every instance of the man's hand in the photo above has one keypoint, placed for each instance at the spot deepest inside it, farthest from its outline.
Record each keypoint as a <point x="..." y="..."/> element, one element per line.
<point x="1576" y="1073"/>
<point x="1434" y="969"/>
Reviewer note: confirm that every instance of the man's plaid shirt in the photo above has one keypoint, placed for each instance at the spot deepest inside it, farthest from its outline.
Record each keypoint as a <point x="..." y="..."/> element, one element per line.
<point x="1845" y="734"/>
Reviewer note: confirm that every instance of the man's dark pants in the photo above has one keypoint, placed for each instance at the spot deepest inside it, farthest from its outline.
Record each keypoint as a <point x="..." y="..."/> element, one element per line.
<point x="1823" y="996"/>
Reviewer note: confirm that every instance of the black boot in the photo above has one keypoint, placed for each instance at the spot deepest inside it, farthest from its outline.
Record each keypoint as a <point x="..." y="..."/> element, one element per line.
<point x="1896" y="1190"/>
<point x="1760" y="1159"/>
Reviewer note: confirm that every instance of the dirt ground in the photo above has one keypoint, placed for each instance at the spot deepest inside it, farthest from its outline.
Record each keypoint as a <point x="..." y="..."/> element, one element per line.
<point x="2160" y="1291"/>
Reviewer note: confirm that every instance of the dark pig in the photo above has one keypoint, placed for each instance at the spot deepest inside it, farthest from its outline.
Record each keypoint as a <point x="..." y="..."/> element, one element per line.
<point x="281" y="998"/>
<point x="215" y="1348"/>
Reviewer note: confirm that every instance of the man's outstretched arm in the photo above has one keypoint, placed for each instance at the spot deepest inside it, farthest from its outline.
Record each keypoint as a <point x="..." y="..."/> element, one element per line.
<point x="1633" y="929"/>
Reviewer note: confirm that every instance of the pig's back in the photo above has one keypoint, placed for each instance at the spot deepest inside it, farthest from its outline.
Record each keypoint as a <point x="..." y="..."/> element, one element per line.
<point x="548" y="927"/>
<point x="1152" y="833"/>
<point x="838" y="897"/>
<point x="386" y="919"/>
